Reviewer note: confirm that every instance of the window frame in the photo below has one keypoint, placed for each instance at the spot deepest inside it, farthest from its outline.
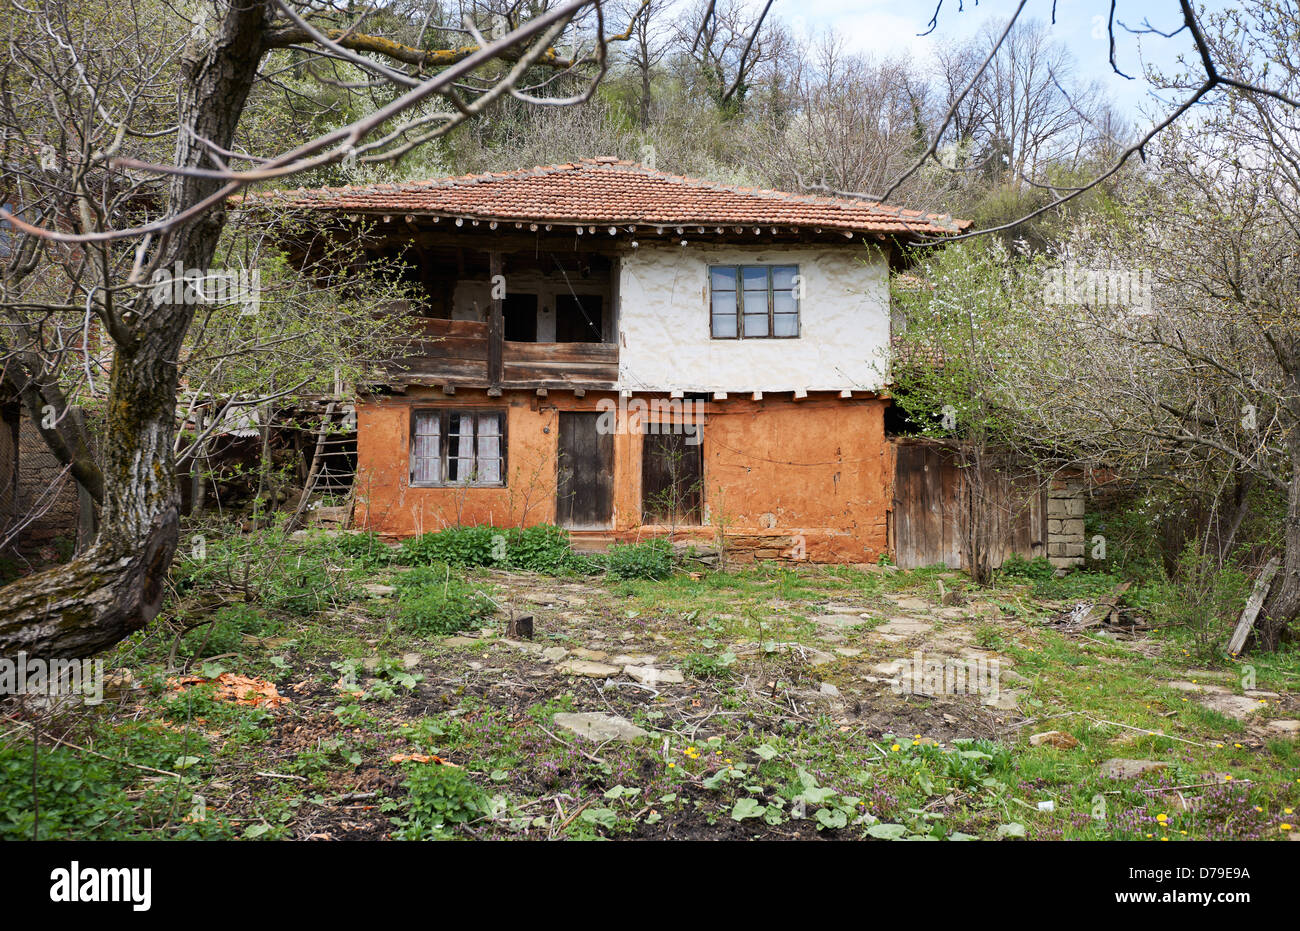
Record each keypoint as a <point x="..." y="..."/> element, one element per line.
<point x="738" y="276"/>
<point x="444" y="422"/>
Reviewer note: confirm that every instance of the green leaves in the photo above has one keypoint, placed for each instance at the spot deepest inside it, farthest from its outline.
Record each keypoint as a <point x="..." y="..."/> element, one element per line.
<point x="747" y="808"/>
<point x="887" y="831"/>
<point x="602" y="817"/>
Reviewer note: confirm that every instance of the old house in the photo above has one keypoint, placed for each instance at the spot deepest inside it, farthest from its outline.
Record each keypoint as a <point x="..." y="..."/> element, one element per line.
<point x="627" y="353"/>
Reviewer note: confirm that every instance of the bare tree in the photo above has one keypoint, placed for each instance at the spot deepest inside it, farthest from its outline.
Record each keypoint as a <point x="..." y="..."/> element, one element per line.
<point x="89" y="116"/>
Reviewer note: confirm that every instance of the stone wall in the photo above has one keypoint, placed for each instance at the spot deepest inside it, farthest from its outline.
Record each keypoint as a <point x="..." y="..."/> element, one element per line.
<point x="1065" y="534"/>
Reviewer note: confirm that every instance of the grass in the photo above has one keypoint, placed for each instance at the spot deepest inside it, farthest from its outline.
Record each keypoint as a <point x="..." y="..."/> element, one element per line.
<point x="748" y="746"/>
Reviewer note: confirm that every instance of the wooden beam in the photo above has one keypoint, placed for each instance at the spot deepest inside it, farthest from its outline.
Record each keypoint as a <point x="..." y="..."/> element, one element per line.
<point x="1253" y="605"/>
<point x="496" y="323"/>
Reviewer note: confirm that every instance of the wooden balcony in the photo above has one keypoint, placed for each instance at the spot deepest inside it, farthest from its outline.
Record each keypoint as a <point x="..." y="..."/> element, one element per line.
<point x="456" y="352"/>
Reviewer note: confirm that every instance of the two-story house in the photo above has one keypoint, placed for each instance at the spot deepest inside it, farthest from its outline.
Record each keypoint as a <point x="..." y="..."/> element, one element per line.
<point x="627" y="353"/>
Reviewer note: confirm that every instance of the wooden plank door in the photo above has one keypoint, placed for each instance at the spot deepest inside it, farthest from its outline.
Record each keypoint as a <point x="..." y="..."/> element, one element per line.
<point x="584" y="486"/>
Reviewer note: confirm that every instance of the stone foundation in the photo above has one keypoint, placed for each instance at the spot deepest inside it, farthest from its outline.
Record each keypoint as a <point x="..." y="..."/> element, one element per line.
<point x="1066" y="538"/>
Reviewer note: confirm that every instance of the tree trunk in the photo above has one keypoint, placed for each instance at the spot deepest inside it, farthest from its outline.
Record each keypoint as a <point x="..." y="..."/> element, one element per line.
<point x="116" y="586"/>
<point x="1283" y="604"/>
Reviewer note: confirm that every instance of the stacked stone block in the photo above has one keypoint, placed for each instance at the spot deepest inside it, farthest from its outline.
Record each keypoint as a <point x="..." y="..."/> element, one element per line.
<point x="1066" y="538"/>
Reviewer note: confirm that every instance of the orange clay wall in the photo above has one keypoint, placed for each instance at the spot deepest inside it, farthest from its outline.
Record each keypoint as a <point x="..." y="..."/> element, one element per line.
<point x="783" y="478"/>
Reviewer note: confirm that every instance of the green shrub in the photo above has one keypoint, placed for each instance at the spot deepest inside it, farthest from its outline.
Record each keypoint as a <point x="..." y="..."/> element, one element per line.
<point x="709" y="666"/>
<point x="298" y="577"/>
<point x="86" y="798"/>
<point x="303" y="586"/>
<point x="1037" y="569"/>
<point x="649" y="559"/>
<point x="1205" y="600"/>
<point x="437" y="798"/>
<point x="540" y="548"/>
<point x="225" y="633"/>
<point x="365" y="548"/>
<point x="455" y="546"/>
<point x="434" y="602"/>
<point x="80" y="799"/>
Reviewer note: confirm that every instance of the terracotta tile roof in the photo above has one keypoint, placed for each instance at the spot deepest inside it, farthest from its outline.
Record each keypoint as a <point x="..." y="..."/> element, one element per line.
<point x="613" y="192"/>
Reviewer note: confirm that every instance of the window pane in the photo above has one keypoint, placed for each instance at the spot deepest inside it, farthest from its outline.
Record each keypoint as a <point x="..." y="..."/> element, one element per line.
<point x="755" y="325"/>
<point x="426" y="466"/>
<point x="754" y="302"/>
<point x="783" y="302"/>
<point x="460" y="447"/>
<point x="722" y="278"/>
<point x="724" y="314"/>
<point x="755" y="277"/>
<point x="724" y="327"/>
<point x="783" y="276"/>
<point x="785" y="325"/>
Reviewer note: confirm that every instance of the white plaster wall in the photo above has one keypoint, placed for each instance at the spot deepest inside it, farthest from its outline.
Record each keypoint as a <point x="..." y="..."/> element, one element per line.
<point x="664" y="341"/>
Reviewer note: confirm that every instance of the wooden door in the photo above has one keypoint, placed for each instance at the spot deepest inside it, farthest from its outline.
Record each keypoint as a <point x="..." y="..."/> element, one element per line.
<point x="932" y="511"/>
<point x="584" y="487"/>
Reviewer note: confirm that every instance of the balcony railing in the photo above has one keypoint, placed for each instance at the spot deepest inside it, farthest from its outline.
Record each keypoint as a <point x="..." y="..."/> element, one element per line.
<point x="455" y="352"/>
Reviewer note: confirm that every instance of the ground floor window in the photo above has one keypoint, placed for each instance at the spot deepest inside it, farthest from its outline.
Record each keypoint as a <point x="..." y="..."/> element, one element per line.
<point x="458" y="447"/>
<point x="672" y="470"/>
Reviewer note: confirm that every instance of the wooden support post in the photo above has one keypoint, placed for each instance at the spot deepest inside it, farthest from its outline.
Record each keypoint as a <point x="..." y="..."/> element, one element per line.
<point x="1253" y="604"/>
<point x="496" y="323"/>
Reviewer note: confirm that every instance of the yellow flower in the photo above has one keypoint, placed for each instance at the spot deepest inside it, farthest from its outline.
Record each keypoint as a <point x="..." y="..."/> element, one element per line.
<point x="1162" y="818"/>
<point x="895" y="748"/>
<point x="1286" y="811"/>
<point x="1285" y="827"/>
<point x="1228" y="778"/>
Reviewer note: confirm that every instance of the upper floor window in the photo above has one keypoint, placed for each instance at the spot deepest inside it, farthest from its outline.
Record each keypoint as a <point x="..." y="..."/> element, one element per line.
<point x="754" y="301"/>
<point x="458" y="447"/>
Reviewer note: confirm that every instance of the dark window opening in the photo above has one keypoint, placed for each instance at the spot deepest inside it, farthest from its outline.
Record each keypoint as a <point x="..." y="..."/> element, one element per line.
<point x="672" y="467"/>
<point x="520" y="312"/>
<point x="579" y="318"/>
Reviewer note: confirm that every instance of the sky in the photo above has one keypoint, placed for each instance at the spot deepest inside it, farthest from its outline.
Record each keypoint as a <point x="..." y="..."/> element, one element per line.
<point x="884" y="28"/>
